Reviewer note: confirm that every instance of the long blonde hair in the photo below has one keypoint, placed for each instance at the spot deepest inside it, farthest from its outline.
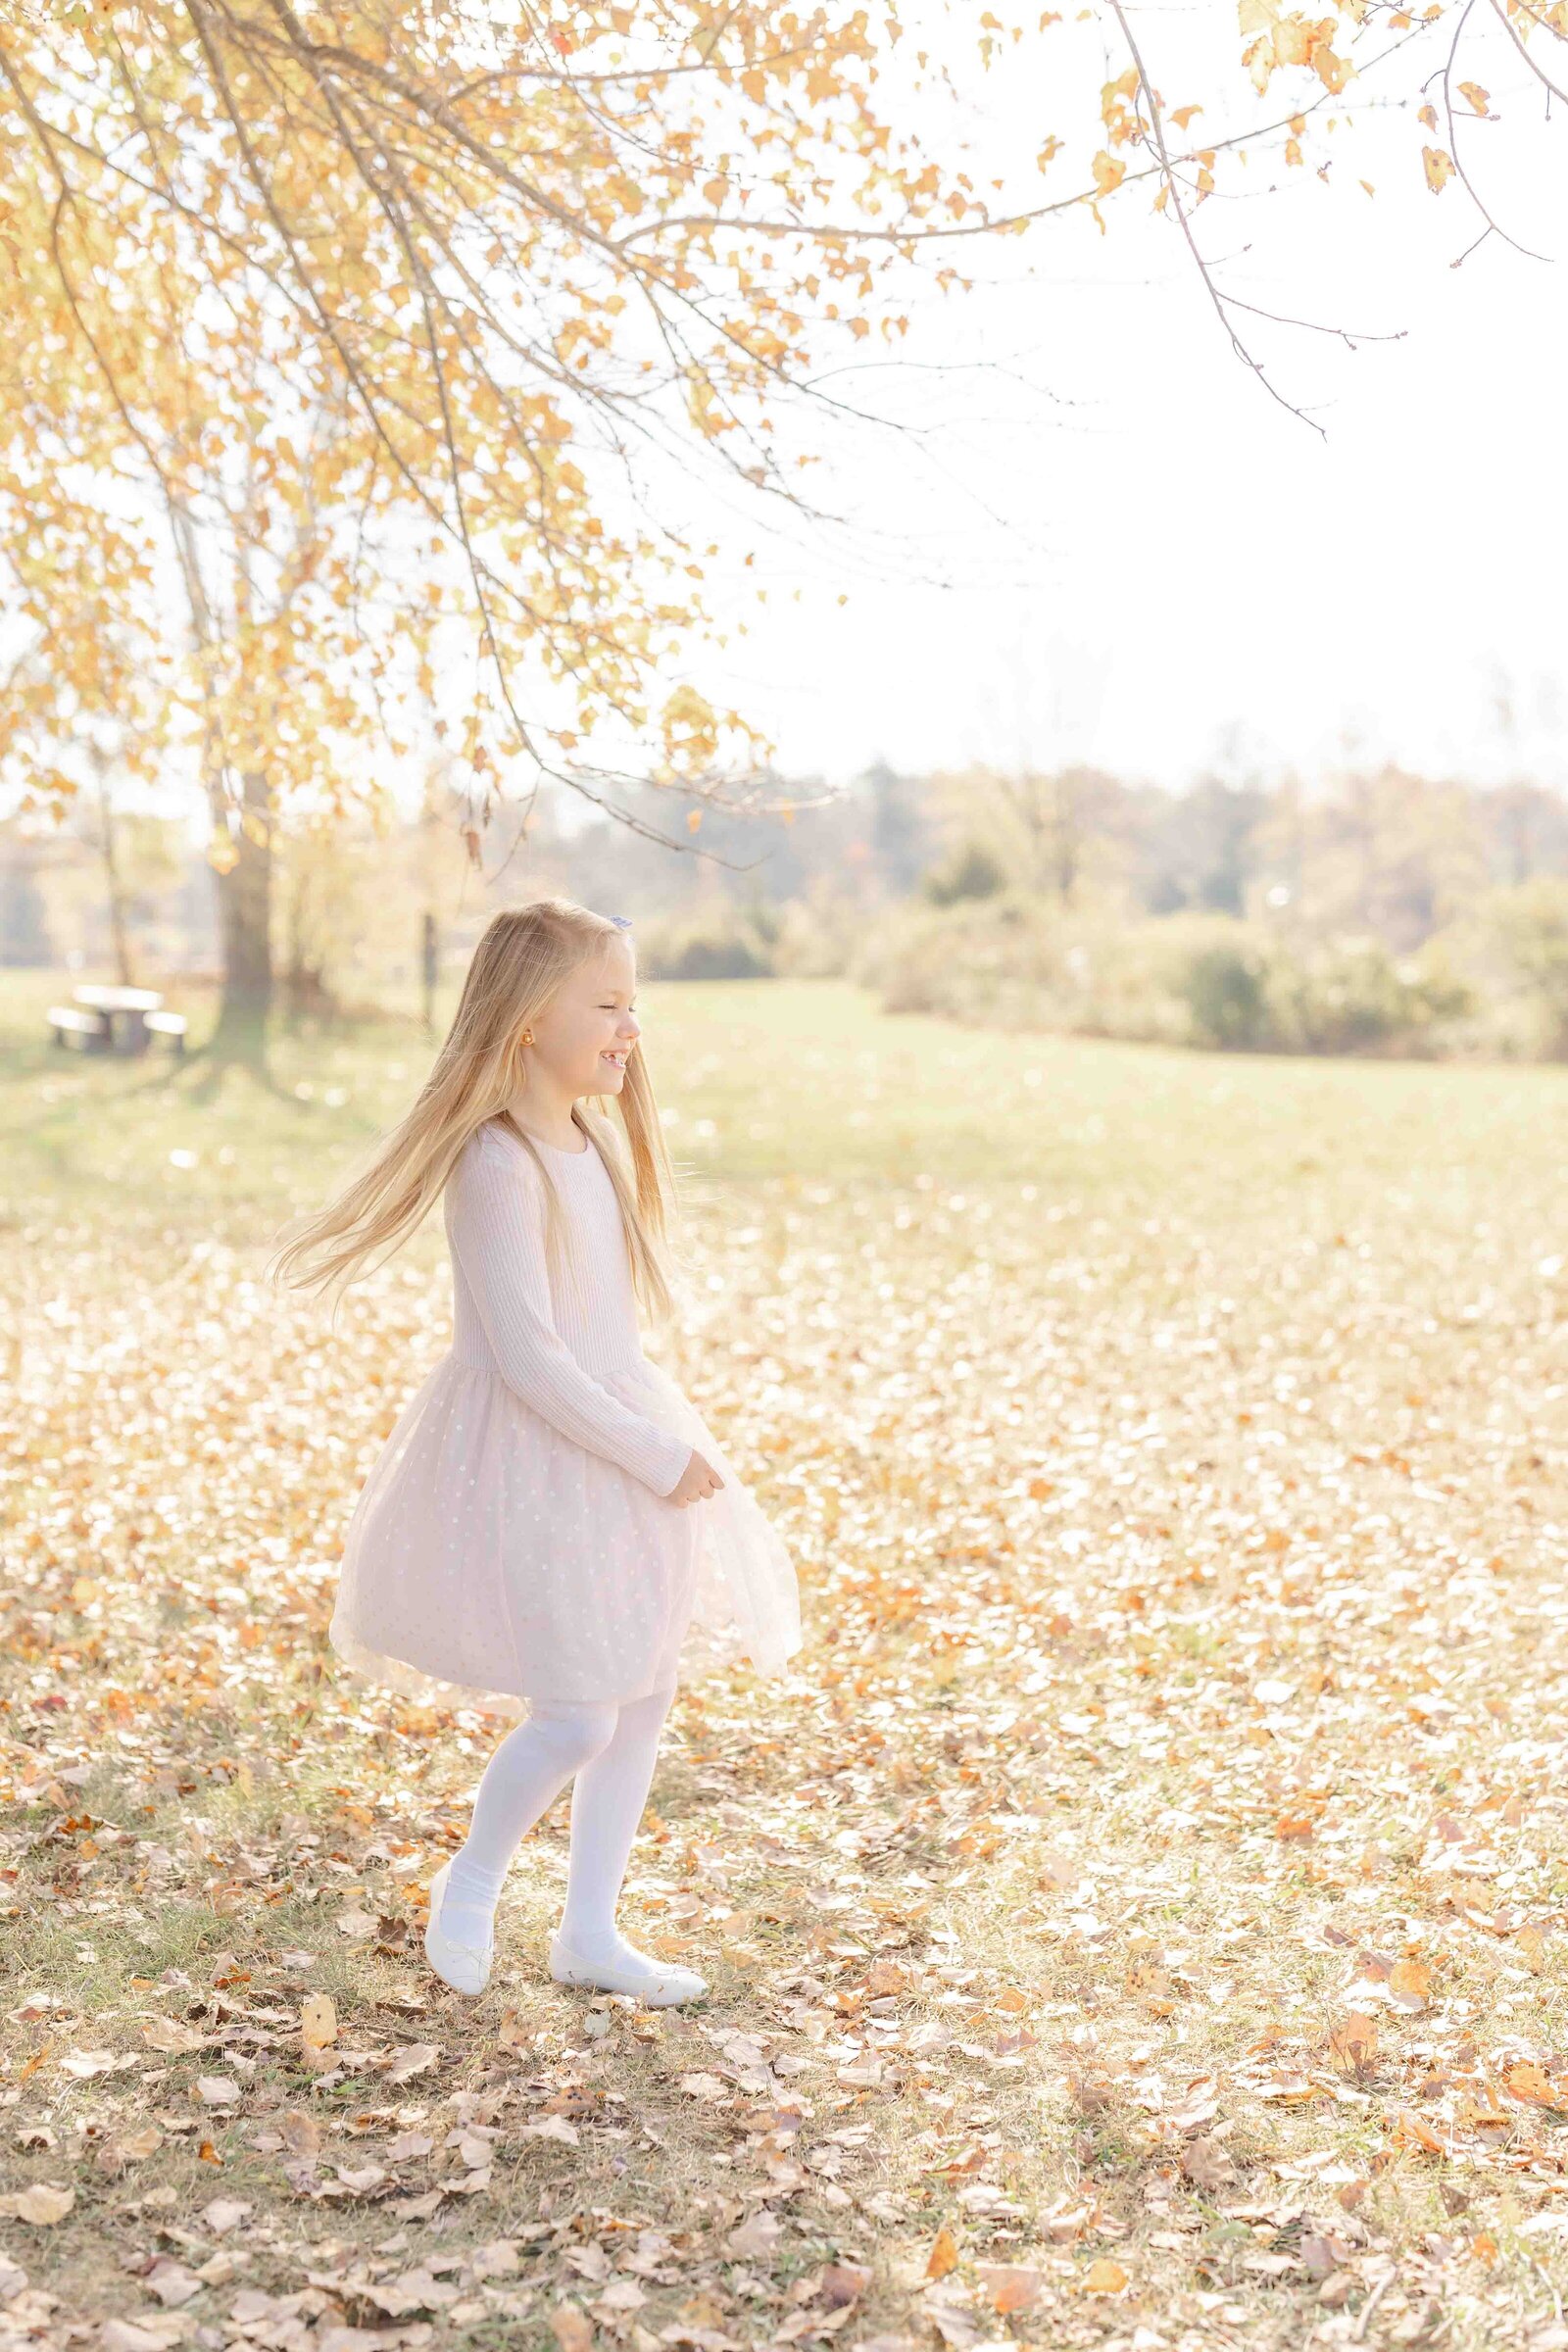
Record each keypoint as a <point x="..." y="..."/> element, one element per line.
<point x="522" y="958"/>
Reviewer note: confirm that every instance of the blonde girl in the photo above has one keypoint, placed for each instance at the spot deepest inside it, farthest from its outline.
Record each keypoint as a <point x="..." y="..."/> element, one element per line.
<point x="551" y="1531"/>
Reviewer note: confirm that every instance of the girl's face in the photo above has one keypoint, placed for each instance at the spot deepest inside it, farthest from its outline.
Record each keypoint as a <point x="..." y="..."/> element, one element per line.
<point x="588" y="1028"/>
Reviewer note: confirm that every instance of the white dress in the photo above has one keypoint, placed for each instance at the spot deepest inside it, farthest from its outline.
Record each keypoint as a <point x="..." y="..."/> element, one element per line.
<point x="511" y="1541"/>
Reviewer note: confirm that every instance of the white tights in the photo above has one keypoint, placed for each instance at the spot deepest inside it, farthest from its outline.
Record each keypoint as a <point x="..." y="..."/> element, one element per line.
<point x="610" y="1749"/>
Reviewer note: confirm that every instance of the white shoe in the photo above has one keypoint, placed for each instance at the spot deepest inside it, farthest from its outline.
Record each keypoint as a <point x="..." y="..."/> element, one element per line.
<point x="654" y="1982"/>
<point x="459" y="1965"/>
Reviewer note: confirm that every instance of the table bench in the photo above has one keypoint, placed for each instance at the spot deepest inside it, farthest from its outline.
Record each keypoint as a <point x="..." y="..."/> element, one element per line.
<point x="167" y="1024"/>
<point x="90" y="1032"/>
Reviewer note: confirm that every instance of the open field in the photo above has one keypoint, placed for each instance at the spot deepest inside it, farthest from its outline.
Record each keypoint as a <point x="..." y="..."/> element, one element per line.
<point x="1141" y="1919"/>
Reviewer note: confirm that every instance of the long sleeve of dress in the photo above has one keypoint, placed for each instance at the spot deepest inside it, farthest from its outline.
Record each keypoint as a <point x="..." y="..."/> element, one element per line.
<point x="495" y="1223"/>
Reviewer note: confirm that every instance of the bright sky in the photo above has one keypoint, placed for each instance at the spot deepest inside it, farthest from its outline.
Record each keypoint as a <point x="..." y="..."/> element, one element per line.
<point x="1117" y="547"/>
<point x="1097" y="537"/>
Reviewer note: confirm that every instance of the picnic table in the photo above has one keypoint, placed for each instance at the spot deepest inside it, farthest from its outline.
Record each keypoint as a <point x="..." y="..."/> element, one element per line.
<point x="123" y="1019"/>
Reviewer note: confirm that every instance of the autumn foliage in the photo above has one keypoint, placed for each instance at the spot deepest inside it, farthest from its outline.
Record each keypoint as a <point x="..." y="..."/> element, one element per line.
<point x="349" y="344"/>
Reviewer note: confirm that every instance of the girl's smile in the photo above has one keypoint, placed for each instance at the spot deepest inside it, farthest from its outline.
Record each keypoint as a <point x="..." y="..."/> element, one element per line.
<point x="566" y="1060"/>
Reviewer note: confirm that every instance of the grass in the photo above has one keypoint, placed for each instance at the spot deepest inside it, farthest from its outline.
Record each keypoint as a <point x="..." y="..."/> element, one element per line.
<point x="1172" y="1449"/>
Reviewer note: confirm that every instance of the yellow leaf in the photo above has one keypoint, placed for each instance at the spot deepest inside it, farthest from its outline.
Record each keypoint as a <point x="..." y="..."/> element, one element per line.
<point x="571" y="2327"/>
<point x="944" y="2254"/>
<point x="1109" y="172"/>
<point x="1011" y="2285"/>
<point x="1332" y="71"/>
<point x="1356" y="2041"/>
<point x="1408" y="2131"/>
<point x="317" y="2020"/>
<point x="1531" y="1946"/>
<point x="1439" y="167"/>
<point x="1527" y="2080"/>
<point x="1104" y="2278"/>
<point x="1412" y="1979"/>
<point x="1479" y="98"/>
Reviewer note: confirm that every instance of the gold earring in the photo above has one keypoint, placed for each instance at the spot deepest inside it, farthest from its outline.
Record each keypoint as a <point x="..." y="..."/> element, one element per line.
<point x="528" y="1037"/>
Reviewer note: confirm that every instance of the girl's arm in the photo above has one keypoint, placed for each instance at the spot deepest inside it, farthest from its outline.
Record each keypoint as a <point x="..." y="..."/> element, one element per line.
<point x="496" y="1224"/>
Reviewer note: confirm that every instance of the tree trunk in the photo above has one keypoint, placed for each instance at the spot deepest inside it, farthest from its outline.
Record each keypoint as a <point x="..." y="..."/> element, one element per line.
<point x="109" y="849"/>
<point x="245" y="924"/>
<point x="1066" y="836"/>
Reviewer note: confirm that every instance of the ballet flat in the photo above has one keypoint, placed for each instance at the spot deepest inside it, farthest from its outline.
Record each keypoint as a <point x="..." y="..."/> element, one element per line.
<point x="660" y="1990"/>
<point x="455" y="1964"/>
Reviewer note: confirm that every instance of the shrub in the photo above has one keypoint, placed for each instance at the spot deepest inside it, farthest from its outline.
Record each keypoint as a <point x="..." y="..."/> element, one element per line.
<point x="1021" y="960"/>
<point x="971" y="871"/>
<point x="1526" y="929"/>
<point x="713" y="950"/>
<point x="1351" y="996"/>
<point x="1225" y="990"/>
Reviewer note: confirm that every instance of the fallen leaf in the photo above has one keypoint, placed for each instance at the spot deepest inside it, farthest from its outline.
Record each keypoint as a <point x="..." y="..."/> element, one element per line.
<point x="43" y="2204"/>
<point x="1206" y="2163"/>
<point x="705" y="2087"/>
<point x="1354" y="2042"/>
<point x="756" y="2236"/>
<point x="416" y="2059"/>
<point x="317" y="2020"/>
<point x="1010" y="2286"/>
<point x="168" y="2033"/>
<point x="361" y="2177"/>
<point x="171" y="2282"/>
<point x="300" y="2132"/>
<point x="1410" y="1982"/>
<point x="944" y="2254"/>
<point x="553" y="2126"/>
<point x="223" y="2214"/>
<point x="84" y="2062"/>
<point x="570" y="2326"/>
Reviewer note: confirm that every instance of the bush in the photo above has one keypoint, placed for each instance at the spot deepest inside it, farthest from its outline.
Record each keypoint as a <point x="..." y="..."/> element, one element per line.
<point x="1526" y="929"/>
<point x="722" y="947"/>
<point x="1018" y="960"/>
<point x="1352" y="996"/>
<point x="971" y="871"/>
<point x="1021" y="960"/>
<point x="1226" y="993"/>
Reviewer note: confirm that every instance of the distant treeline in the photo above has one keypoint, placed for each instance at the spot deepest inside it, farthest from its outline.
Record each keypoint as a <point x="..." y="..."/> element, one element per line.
<point x="1382" y="913"/>
<point x="1373" y="911"/>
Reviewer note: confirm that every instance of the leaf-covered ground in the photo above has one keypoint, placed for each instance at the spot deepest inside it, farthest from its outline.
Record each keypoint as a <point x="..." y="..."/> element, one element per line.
<point x="1140" y="1919"/>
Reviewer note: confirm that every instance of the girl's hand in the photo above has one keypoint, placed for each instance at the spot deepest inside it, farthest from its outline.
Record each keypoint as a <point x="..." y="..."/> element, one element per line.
<point x="698" y="1478"/>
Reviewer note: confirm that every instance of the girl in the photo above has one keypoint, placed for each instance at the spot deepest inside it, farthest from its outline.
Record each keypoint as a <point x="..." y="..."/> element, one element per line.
<point x="551" y="1524"/>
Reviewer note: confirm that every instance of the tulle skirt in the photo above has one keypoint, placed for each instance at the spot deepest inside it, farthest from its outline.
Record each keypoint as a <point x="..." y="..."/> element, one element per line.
<point x="490" y="1560"/>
